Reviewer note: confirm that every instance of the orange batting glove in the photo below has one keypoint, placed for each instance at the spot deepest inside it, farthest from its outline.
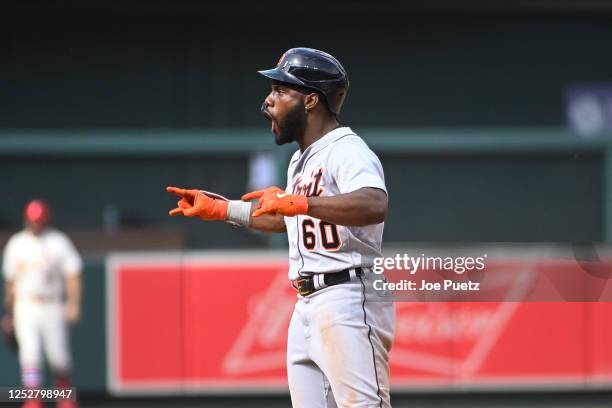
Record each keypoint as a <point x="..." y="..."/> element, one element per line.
<point x="194" y="203"/>
<point x="274" y="200"/>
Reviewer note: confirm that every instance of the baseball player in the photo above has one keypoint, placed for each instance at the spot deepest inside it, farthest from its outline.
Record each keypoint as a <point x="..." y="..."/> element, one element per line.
<point x="333" y="210"/>
<point x="42" y="273"/>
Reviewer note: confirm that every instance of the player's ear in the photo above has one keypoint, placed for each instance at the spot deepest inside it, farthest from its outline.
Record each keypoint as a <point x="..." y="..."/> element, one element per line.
<point x="311" y="101"/>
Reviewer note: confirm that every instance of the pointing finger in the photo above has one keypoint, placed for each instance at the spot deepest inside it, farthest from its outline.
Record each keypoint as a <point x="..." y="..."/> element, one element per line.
<point x="184" y="204"/>
<point x="252" y="195"/>
<point x="175" y="190"/>
<point x="179" y="191"/>
<point x="264" y="208"/>
<point x="259" y="212"/>
<point x="175" y="211"/>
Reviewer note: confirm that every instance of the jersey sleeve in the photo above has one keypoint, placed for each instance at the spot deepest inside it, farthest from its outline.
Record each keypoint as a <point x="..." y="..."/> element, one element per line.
<point x="71" y="260"/>
<point x="353" y="166"/>
<point x="9" y="261"/>
<point x="293" y="159"/>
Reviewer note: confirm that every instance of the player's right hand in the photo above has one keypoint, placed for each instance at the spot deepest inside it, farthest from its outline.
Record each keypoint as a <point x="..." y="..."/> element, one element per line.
<point x="6" y="324"/>
<point x="194" y="203"/>
<point x="274" y="200"/>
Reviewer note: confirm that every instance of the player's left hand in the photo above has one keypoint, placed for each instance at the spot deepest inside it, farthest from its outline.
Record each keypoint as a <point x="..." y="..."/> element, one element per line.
<point x="8" y="331"/>
<point x="274" y="200"/>
<point x="72" y="312"/>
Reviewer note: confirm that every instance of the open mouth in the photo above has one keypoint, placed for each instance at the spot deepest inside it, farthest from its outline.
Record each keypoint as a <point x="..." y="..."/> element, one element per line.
<point x="273" y="125"/>
<point x="266" y="114"/>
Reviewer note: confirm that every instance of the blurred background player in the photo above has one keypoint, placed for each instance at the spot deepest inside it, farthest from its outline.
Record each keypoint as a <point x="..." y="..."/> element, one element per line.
<point x="42" y="272"/>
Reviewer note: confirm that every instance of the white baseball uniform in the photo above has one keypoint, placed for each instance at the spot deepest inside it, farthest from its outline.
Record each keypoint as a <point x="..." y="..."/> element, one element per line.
<point x="38" y="265"/>
<point x="339" y="337"/>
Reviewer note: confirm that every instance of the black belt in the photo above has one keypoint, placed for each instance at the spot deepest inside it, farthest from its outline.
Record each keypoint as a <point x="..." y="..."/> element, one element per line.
<point x="308" y="286"/>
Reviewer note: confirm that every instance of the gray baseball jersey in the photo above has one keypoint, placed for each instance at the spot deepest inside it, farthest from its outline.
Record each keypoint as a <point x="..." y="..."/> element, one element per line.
<point x="338" y="163"/>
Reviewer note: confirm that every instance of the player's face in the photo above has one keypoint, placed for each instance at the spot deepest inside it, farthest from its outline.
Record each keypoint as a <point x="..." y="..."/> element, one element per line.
<point x="36" y="226"/>
<point x="284" y="107"/>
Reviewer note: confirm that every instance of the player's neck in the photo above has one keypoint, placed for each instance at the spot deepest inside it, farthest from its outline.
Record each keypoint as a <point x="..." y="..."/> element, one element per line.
<point x="316" y="132"/>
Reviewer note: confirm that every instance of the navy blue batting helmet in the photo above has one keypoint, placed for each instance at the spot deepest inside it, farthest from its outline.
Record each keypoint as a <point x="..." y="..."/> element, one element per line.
<point x="313" y="69"/>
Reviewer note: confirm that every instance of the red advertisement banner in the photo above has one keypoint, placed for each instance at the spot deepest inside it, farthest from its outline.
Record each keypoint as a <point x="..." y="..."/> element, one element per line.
<point x="218" y="323"/>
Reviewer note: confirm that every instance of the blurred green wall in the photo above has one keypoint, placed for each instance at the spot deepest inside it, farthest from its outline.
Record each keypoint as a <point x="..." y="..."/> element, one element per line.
<point x="450" y="185"/>
<point x="184" y="66"/>
<point x="79" y="188"/>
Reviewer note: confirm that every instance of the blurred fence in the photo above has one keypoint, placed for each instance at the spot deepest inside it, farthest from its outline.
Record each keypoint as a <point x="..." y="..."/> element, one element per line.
<point x="526" y="184"/>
